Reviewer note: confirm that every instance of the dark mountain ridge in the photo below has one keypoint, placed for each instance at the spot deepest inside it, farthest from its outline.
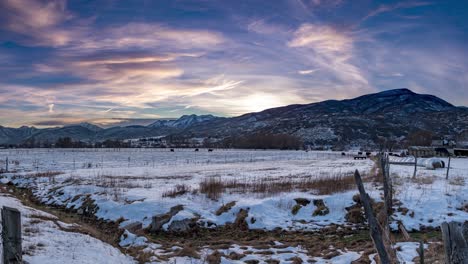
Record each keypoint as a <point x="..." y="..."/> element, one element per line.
<point x="359" y="121"/>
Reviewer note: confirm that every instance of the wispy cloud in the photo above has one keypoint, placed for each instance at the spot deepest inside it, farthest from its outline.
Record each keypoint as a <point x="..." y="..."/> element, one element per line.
<point x="305" y="72"/>
<point x="71" y="62"/>
<point x="392" y="7"/>
<point x="330" y="50"/>
<point x="38" y="22"/>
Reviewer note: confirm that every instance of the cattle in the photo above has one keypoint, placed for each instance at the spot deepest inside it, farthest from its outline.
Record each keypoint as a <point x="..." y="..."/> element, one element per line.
<point x="196" y="149"/>
<point x="360" y="157"/>
<point x="172" y="150"/>
<point x="210" y="150"/>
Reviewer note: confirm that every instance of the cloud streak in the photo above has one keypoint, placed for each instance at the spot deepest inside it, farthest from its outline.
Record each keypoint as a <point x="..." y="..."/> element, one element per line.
<point x="66" y="62"/>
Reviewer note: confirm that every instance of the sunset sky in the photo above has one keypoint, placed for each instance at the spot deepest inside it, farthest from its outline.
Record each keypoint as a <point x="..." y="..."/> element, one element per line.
<point x="109" y="61"/>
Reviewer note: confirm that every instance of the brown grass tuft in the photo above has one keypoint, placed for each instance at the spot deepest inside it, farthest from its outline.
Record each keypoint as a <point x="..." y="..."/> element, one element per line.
<point x="179" y="189"/>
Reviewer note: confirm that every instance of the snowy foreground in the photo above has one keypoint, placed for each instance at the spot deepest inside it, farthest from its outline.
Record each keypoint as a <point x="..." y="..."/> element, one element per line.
<point x="134" y="185"/>
<point x="48" y="240"/>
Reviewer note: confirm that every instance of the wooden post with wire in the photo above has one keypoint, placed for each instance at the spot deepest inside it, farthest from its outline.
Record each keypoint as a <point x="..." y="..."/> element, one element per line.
<point x="374" y="226"/>
<point x="448" y="168"/>
<point x="415" y="166"/>
<point x="11" y="235"/>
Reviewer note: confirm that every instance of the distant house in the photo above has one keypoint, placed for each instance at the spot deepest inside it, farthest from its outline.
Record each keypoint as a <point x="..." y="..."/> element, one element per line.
<point x="446" y="141"/>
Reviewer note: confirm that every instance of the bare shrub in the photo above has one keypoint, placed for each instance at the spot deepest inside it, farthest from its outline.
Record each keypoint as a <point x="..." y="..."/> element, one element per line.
<point x="179" y="189"/>
<point x="212" y="187"/>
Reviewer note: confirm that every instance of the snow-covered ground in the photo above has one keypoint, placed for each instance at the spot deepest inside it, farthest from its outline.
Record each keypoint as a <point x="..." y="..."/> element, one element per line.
<point x="135" y="190"/>
<point x="46" y="240"/>
<point x="430" y="199"/>
<point x="132" y="183"/>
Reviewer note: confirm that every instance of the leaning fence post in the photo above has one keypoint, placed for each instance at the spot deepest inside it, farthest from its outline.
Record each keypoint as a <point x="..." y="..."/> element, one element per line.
<point x="375" y="229"/>
<point x="11" y="235"/>
<point x="6" y="164"/>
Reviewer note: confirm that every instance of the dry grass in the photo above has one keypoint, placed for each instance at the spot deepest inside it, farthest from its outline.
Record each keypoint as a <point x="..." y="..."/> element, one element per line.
<point x="179" y="189"/>
<point x="44" y="174"/>
<point x="424" y="180"/>
<point x="459" y="181"/>
<point x="214" y="187"/>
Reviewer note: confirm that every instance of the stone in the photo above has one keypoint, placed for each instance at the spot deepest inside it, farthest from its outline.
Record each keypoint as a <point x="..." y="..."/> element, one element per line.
<point x="159" y="220"/>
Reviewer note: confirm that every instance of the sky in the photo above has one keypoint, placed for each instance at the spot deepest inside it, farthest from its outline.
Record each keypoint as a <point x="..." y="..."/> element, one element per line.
<point x="110" y="62"/>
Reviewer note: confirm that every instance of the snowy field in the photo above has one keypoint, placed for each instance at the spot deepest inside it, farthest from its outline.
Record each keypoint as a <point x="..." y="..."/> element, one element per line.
<point x="290" y="190"/>
<point x="430" y="199"/>
<point x="132" y="183"/>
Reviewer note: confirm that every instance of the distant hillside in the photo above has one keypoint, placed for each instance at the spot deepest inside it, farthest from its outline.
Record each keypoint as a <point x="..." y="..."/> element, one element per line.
<point x="361" y="121"/>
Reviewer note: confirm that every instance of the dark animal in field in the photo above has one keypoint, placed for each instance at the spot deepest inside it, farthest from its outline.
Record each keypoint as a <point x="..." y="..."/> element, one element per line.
<point x="343" y="154"/>
<point x="360" y="157"/>
<point x="210" y="150"/>
<point x="172" y="150"/>
<point x="368" y="154"/>
<point x="196" y="149"/>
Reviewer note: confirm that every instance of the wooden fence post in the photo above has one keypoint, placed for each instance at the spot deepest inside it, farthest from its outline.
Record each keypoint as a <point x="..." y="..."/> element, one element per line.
<point x="448" y="168"/>
<point x="6" y="164"/>
<point x="384" y="164"/>
<point x="415" y="166"/>
<point x="11" y="235"/>
<point x="455" y="242"/>
<point x="421" y="252"/>
<point x="375" y="228"/>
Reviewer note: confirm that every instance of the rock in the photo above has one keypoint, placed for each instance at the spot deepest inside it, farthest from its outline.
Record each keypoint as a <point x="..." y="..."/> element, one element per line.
<point x="133" y="227"/>
<point x="184" y="225"/>
<point x="159" y="220"/>
<point x="321" y="209"/>
<point x="240" y="222"/>
<point x="302" y="201"/>
<point x="296" y="209"/>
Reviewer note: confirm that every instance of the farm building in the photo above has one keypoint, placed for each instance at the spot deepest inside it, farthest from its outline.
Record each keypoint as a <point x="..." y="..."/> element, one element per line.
<point x="422" y="151"/>
<point x="459" y="152"/>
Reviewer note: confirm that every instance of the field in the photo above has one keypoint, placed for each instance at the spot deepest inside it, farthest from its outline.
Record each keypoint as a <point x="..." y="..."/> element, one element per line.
<point x="258" y="205"/>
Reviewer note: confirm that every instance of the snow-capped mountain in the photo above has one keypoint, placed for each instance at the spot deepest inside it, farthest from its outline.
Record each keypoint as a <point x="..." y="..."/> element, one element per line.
<point x="183" y="122"/>
<point x="359" y="121"/>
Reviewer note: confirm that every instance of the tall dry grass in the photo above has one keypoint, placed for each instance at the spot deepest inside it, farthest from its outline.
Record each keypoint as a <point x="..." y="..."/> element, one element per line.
<point x="214" y="187"/>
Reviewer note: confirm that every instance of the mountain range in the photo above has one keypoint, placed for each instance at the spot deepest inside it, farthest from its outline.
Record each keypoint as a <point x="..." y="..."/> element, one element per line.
<point x="352" y="122"/>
